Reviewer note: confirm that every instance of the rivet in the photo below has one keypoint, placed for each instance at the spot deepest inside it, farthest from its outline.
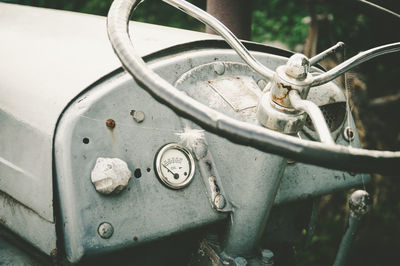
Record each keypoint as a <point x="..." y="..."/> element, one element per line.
<point x="219" y="68"/>
<point x="219" y="201"/>
<point x="110" y="123"/>
<point x="348" y="134"/>
<point x="105" y="230"/>
<point x="138" y="116"/>
<point x="262" y="83"/>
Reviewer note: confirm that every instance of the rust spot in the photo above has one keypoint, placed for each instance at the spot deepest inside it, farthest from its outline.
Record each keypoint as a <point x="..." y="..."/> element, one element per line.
<point x="53" y="253"/>
<point x="281" y="100"/>
<point x="209" y="165"/>
<point x="110" y="123"/>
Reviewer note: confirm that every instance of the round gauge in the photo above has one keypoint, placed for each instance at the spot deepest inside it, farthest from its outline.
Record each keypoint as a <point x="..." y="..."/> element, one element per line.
<point x="174" y="166"/>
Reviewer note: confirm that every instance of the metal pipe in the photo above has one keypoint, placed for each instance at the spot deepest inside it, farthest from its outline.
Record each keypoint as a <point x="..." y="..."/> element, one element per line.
<point x="315" y="114"/>
<point x="321" y="56"/>
<point x="225" y="33"/>
<point x="360" y="203"/>
<point x="354" y="61"/>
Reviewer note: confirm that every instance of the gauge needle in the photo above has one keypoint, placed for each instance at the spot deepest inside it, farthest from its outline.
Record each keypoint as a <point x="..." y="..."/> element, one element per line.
<point x="176" y="176"/>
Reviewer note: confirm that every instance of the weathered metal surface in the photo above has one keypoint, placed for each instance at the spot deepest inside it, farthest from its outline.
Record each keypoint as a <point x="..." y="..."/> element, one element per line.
<point x="360" y="203"/>
<point x="147" y="210"/>
<point x="14" y="251"/>
<point x="27" y="223"/>
<point x="48" y="57"/>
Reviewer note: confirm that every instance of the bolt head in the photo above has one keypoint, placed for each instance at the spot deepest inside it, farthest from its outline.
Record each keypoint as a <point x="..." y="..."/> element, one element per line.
<point x="219" y="201"/>
<point x="297" y="66"/>
<point x="138" y="116"/>
<point x="105" y="230"/>
<point x="360" y="202"/>
<point x="219" y="68"/>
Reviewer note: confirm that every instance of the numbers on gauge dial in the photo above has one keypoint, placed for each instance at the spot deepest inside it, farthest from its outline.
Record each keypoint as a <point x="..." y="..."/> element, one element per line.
<point x="175" y="166"/>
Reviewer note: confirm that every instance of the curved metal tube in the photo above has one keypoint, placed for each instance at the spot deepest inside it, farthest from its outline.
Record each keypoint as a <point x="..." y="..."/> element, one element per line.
<point x="263" y="139"/>
<point x="355" y="61"/>
<point x="225" y="33"/>
<point x="387" y="11"/>
<point x="315" y="114"/>
<point x="321" y="56"/>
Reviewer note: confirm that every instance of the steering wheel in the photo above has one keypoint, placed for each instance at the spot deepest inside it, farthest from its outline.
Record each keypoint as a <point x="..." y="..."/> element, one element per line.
<point x="325" y="153"/>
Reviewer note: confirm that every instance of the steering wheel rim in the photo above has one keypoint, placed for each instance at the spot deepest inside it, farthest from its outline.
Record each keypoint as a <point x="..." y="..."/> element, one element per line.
<point x="331" y="156"/>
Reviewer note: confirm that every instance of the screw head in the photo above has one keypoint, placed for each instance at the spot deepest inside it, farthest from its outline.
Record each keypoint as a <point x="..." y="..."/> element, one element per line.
<point x="138" y="116"/>
<point x="219" y="68"/>
<point x="348" y="134"/>
<point x="219" y="201"/>
<point x="105" y="230"/>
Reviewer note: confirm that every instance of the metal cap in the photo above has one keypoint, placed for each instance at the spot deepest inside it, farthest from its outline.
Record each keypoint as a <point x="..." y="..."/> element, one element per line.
<point x="298" y="66"/>
<point x="110" y="175"/>
<point x="360" y="202"/>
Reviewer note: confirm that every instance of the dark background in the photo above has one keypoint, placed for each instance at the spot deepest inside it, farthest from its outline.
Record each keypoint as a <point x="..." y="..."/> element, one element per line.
<point x="374" y="93"/>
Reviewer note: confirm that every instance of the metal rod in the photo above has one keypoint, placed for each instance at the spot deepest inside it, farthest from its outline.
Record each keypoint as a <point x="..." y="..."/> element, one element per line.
<point x="390" y="12"/>
<point x="360" y="203"/>
<point x="355" y="61"/>
<point x="315" y="114"/>
<point x="225" y="33"/>
<point x="321" y="56"/>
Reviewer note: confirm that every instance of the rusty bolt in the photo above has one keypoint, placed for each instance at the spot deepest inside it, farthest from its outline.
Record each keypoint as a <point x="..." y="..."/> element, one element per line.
<point x="110" y="123"/>
<point x="138" y="116"/>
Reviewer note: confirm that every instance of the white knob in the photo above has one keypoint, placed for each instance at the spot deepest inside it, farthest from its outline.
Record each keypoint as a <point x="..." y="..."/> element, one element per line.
<point x="110" y="175"/>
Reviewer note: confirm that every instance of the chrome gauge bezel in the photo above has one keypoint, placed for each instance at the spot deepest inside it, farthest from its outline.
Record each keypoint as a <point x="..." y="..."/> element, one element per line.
<point x="189" y="157"/>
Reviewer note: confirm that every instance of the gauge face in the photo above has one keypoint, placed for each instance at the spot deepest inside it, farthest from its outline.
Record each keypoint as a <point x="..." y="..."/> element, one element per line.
<point x="175" y="166"/>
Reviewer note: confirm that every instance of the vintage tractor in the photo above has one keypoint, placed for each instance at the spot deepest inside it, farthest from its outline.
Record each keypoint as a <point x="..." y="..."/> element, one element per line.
<point x="191" y="153"/>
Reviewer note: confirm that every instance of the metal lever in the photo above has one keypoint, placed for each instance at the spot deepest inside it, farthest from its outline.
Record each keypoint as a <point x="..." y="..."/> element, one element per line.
<point x="360" y="203"/>
<point x="355" y="61"/>
<point x="321" y="56"/>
